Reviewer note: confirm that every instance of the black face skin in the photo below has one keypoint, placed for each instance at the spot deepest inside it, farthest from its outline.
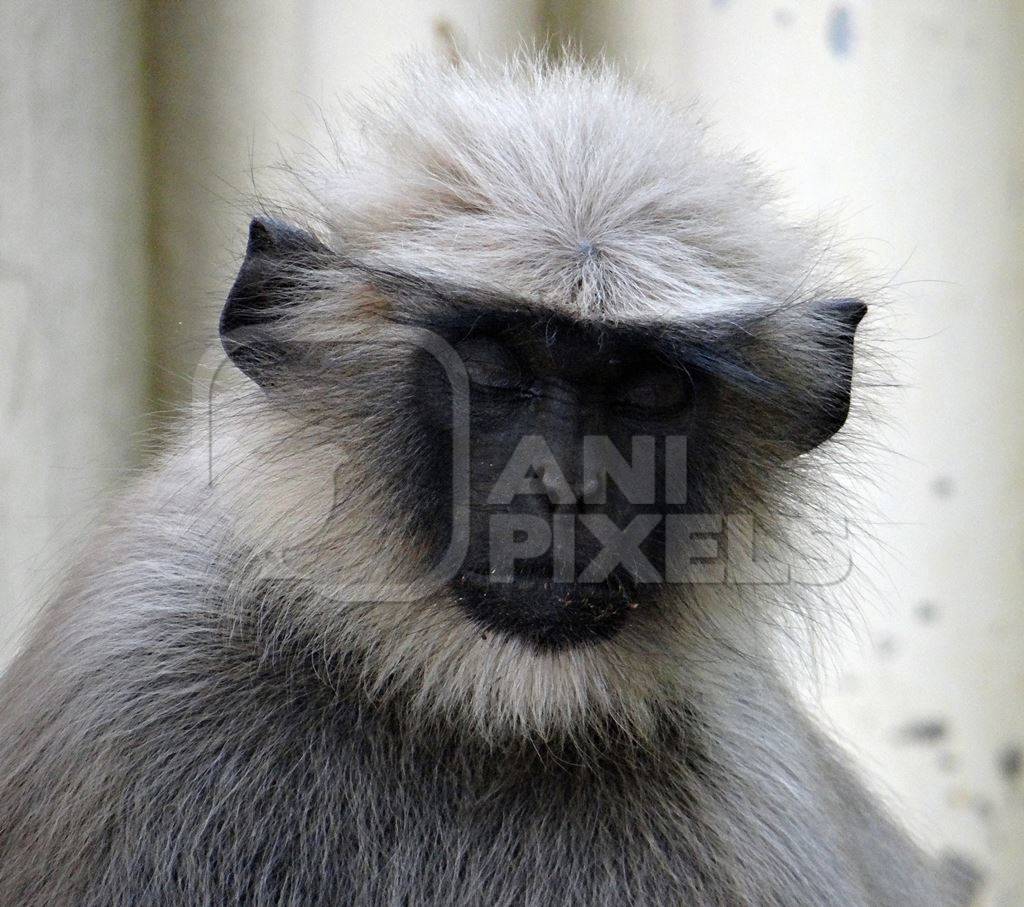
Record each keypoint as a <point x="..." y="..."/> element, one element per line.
<point x="536" y="376"/>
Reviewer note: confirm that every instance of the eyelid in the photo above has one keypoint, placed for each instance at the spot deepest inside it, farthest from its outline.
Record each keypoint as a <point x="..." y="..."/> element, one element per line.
<point x="490" y="364"/>
<point x="678" y="381"/>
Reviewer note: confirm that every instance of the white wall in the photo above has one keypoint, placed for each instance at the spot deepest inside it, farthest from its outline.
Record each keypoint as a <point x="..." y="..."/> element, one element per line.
<point x="73" y="308"/>
<point x="903" y="124"/>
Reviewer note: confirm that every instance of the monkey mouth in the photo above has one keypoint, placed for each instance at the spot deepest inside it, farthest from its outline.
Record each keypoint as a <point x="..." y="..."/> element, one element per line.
<point x="544" y="612"/>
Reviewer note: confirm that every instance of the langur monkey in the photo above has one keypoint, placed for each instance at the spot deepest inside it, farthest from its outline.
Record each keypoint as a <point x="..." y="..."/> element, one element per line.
<point x="432" y="616"/>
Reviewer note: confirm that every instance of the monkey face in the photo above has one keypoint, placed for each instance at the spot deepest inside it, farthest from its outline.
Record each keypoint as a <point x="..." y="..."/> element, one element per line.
<point x="645" y="348"/>
<point x="580" y="437"/>
<point x="591" y="443"/>
<point x="590" y="439"/>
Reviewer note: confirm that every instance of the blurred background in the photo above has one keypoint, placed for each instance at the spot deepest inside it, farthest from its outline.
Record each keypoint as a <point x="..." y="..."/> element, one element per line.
<point x="130" y="133"/>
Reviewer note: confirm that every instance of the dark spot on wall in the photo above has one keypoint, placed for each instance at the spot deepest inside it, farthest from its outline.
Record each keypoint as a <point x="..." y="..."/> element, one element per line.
<point x="965" y="877"/>
<point x="927" y="611"/>
<point x="885" y="647"/>
<point x="1011" y="763"/>
<point x="942" y="487"/>
<point x="447" y="41"/>
<point x="784" y="18"/>
<point x="840" y="31"/>
<point x="983" y="807"/>
<point x="925" y="731"/>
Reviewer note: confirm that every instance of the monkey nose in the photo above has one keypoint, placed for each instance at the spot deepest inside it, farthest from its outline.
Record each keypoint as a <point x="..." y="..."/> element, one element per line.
<point x="588" y="487"/>
<point x="556" y="485"/>
<point x="553" y="482"/>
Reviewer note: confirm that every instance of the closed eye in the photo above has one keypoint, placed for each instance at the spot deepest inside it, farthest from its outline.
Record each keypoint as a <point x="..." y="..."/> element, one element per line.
<point x="491" y="365"/>
<point x="656" y="391"/>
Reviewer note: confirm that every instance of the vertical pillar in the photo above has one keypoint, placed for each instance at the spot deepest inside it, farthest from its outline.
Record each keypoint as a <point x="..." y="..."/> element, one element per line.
<point x="73" y="295"/>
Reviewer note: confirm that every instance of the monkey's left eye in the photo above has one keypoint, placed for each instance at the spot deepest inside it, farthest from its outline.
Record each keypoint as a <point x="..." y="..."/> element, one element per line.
<point x="659" y="391"/>
<point x="491" y="365"/>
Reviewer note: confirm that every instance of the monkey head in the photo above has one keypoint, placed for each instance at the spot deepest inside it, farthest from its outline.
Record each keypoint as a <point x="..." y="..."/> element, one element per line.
<point x="537" y="336"/>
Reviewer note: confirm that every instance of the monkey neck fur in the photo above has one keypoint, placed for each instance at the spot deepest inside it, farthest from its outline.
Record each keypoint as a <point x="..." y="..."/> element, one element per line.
<point x="225" y="743"/>
<point x="420" y="656"/>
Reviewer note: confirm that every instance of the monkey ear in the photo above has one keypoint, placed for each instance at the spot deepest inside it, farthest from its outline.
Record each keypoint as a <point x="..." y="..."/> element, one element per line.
<point x="823" y="412"/>
<point x="266" y="287"/>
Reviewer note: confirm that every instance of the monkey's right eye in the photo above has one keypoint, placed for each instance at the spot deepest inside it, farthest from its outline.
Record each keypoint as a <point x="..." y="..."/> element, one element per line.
<point x="490" y="365"/>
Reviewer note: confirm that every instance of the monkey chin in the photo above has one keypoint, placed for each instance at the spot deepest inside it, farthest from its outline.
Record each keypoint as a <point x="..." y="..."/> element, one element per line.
<point x="547" y="614"/>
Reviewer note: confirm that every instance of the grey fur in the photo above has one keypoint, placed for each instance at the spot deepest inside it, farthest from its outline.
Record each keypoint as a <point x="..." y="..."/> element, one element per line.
<point x="183" y="729"/>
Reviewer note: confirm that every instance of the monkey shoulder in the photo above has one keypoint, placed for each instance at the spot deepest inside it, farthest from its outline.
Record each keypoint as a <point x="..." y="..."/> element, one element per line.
<point x="199" y="761"/>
